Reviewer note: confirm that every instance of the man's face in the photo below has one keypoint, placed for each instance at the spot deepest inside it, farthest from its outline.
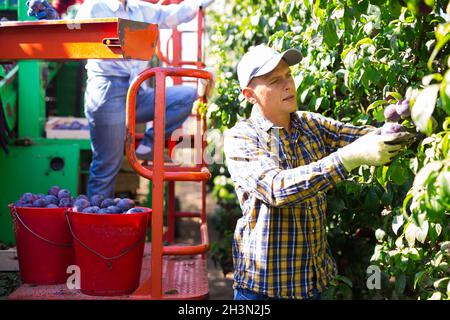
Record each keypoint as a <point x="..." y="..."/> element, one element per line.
<point x="273" y="92"/>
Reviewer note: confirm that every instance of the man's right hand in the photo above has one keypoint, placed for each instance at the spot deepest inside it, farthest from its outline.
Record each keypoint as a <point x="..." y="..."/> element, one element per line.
<point x="373" y="149"/>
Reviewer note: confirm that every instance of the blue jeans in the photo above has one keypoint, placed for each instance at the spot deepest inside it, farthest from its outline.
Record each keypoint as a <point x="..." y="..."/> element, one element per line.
<point x="245" y="294"/>
<point x="105" y="109"/>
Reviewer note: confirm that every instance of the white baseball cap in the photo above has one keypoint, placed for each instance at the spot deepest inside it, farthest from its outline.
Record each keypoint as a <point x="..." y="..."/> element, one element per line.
<point x="262" y="59"/>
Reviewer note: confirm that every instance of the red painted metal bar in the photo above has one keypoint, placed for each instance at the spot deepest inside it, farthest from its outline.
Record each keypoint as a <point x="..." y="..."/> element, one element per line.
<point x="170" y="234"/>
<point x="183" y="214"/>
<point x="158" y="174"/>
<point x="131" y="127"/>
<point x="109" y="38"/>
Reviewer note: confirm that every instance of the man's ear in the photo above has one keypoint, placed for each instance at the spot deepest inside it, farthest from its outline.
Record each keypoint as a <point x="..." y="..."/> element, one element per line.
<point x="249" y="95"/>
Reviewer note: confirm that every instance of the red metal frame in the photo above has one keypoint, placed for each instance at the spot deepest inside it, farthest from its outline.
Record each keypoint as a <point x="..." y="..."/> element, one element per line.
<point x="160" y="173"/>
<point x="109" y="38"/>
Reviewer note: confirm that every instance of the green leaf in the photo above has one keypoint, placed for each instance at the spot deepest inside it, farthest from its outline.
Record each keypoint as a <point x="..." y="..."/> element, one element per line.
<point x="318" y="103"/>
<point x="345" y="280"/>
<point x="329" y="34"/>
<point x="423" y="108"/>
<point x="418" y="277"/>
<point x="441" y="283"/>
<point x="398" y="174"/>
<point x="422" y="232"/>
<point x="410" y="234"/>
<point x="397" y="222"/>
<point x="400" y="284"/>
<point x="424" y="174"/>
<point x="395" y="95"/>
<point x="445" y="96"/>
<point x="375" y="104"/>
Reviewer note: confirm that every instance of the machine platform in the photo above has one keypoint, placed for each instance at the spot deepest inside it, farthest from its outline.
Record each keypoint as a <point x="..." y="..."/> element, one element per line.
<point x="184" y="277"/>
<point x="110" y="38"/>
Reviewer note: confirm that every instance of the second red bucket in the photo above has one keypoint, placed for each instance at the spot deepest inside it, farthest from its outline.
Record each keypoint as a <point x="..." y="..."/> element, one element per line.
<point x="109" y="249"/>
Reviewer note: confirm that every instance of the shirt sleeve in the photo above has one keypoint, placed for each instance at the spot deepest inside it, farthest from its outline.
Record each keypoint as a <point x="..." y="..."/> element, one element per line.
<point x="90" y="10"/>
<point x="338" y="134"/>
<point x="168" y="16"/>
<point x="254" y="168"/>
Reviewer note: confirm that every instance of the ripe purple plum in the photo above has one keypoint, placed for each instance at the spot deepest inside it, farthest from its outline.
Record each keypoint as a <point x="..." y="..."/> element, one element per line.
<point x="28" y="197"/>
<point x="40" y="203"/>
<point x="107" y="203"/>
<point x="51" y="205"/>
<point x="81" y="204"/>
<point x="64" y="193"/>
<point x="97" y="199"/>
<point x="82" y="196"/>
<point x="54" y="191"/>
<point x="65" y="203"/>
<point x="51" y="199"/>
<point x="402" y="108"/>
<point x="390" y="113"/>
<point x="389" y="128"/>
<point x="21" y="204"/>
<point x="114" y="209"/>
<point x="92" y="209"/>
<point x="125" y="204"/>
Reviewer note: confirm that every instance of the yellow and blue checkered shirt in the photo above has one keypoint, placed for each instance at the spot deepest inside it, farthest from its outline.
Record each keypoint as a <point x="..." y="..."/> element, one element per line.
<point x="280" y="247"/>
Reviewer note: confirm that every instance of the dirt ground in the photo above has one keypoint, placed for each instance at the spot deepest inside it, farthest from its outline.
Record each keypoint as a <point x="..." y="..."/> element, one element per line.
<point x="187" y="231"/>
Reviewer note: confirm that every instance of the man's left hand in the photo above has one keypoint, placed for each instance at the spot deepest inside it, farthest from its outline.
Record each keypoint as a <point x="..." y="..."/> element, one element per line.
<point x="41" y="9"/>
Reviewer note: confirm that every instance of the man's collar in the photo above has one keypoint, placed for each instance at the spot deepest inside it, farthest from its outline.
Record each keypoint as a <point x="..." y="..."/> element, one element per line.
<point x="114" y="5"/>
<point x="260" y="120"/>
<point x="265" y="124"/>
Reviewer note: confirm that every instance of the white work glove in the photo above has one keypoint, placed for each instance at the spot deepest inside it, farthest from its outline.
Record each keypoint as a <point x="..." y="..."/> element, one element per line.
<point x="206" y="87"/>
<point x="373" y="149"/>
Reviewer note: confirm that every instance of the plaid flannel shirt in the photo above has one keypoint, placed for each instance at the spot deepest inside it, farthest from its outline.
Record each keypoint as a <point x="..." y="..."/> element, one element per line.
<point x="280" y="247"/>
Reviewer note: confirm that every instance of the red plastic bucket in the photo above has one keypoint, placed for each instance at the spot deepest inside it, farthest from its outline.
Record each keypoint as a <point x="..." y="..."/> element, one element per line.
<point x="108" y="250"/>
<point x="44" y="244"/>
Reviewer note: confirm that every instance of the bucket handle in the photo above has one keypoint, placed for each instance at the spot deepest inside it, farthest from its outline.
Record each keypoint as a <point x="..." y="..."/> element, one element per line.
<point x="16" y="215"/>
<point x="109" y="260"/>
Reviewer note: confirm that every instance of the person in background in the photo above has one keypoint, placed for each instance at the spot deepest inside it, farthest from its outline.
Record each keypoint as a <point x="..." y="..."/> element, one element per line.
<point x="107" y="86"/>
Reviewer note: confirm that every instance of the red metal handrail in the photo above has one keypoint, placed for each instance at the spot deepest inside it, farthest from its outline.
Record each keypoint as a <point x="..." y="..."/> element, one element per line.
<point x="158" y="175"/>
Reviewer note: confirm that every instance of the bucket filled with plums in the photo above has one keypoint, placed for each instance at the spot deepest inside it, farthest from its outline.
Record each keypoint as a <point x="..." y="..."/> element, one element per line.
<point x="109" y="237"/>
